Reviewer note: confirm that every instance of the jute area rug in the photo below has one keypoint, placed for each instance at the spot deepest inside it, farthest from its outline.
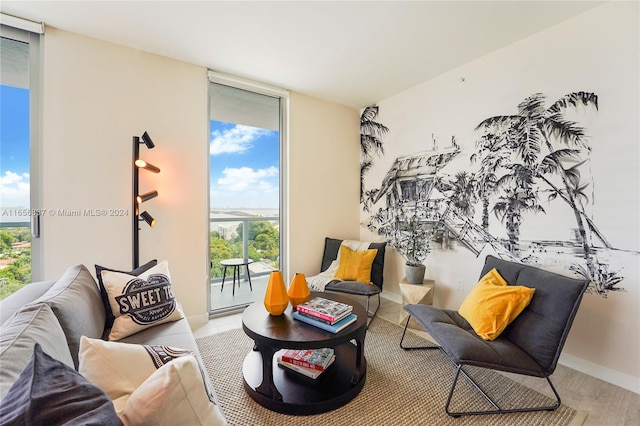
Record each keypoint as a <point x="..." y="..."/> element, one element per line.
<point x="402" y="387"/>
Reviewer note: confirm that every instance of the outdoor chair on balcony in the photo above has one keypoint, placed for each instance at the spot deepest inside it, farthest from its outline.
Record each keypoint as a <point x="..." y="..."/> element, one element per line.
<point x="529" y="345"/>
<point x="331" y="262"/>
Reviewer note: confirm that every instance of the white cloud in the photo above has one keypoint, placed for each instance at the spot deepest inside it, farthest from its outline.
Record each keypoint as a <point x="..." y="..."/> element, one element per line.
<point x="234" y="140"/>
<point x="247" y="179"/>
<point x="14" y="189"/>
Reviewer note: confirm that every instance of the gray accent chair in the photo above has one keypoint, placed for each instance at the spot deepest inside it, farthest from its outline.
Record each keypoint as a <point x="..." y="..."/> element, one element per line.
<point x="530" y="345"/>
<point x="331" y="247"/>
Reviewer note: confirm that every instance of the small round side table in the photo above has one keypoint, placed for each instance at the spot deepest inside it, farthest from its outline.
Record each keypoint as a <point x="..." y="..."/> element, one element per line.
<point x="235" y="264"/>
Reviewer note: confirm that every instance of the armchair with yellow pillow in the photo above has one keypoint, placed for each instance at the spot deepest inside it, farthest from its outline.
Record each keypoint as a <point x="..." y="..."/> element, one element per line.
<point x="352" y="267"/>
<point x="516" y="319"/>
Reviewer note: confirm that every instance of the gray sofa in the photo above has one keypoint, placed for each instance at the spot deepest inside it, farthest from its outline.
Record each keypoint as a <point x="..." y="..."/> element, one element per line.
<point x="55" y="314"/>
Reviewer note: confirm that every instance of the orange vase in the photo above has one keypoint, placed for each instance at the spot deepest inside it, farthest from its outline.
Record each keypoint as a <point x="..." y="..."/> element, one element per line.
<point x="298" y="290"/>
<point x="275" y="298"/>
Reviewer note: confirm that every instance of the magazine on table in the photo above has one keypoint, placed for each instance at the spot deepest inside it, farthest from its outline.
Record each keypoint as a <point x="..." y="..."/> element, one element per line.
<point x="317" y="359"/>
<point x="308" y="372"/>
<point x="335" y="328"/>
<point x="326" y="309"/>
<point x="338" y="318"/>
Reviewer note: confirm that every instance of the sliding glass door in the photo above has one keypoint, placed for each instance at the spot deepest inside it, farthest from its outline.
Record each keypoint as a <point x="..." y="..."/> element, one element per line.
<point x="20" y="250"/>
<point x="246" y="187"/>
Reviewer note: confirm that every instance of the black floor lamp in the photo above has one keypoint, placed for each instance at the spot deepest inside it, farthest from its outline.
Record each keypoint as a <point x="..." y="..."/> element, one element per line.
<point x="138" y="198"/>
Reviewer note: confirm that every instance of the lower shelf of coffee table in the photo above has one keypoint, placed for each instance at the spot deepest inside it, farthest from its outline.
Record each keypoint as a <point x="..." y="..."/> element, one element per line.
<point x="303" y="395"/>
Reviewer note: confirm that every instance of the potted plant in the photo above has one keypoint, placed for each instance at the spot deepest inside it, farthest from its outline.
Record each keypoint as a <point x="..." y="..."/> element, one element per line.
<point x="412" y="239"/>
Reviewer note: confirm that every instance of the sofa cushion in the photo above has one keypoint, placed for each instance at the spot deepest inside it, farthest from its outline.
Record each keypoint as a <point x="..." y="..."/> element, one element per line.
<point x="103" y="291"/>
<point x="353" y="287"/>
<point x="177" y="334"/>
<point x="140" y="302"/>
<point x="18" y="335"/>
<point x="463" y="346"/>
<point x="49" y="392"/>
<point x="75" y="300"/>
<point x="25" y="295"/>
<point x="150" y="384"/>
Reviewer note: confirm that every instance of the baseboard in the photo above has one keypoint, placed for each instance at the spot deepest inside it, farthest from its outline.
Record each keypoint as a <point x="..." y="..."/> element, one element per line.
<point x="614" y="377"/>
<point x="197" y="321"/>
<point x="392" y="297"/>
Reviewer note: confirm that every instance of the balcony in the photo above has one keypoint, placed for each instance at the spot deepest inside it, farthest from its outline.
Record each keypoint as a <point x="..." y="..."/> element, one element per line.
<point x="255" y="238"/>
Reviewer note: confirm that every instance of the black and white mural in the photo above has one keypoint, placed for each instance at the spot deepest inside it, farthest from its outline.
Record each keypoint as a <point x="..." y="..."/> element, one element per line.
<point x="525" y="169"/>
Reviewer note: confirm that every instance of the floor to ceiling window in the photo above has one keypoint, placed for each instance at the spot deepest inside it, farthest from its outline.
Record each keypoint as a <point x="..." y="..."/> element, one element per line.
<point x="247" y="133"/>
<point x="20" y="257"/>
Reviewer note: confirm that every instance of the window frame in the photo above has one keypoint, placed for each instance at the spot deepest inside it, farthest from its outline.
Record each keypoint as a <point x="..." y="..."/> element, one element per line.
<point x="283" y="95"/>
<point x="32" y="33"/>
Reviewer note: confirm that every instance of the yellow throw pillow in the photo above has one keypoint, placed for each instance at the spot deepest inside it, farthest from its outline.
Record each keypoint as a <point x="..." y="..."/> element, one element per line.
<point x="493" y="304"/>
<point x="355" y="265"/>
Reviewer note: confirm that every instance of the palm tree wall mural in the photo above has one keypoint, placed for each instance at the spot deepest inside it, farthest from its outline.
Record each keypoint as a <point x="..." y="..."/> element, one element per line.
<point x="371" y="133"/>
<point x="523" y="165"/>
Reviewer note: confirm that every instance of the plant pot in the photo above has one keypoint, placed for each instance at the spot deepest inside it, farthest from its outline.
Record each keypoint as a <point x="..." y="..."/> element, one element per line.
<point x="415" y="274"/>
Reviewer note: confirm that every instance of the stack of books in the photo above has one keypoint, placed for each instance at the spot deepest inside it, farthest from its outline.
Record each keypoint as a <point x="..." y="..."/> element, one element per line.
<point x="326" y="314"/>
<point x="309" y="362"/>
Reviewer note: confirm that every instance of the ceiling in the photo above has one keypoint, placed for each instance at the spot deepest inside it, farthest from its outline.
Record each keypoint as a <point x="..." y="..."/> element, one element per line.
<point x="354" y="53"/>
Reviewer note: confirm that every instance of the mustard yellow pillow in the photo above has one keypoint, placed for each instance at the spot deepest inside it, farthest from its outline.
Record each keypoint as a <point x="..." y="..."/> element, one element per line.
<point x="355" y="265"/>
<point x="493" y="304"/>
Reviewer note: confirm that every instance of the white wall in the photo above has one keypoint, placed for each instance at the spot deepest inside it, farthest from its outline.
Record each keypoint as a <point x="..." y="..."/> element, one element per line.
<point x="595" y="52"/>
<point x="98" y="95"/>
<point x="324" y="183"/>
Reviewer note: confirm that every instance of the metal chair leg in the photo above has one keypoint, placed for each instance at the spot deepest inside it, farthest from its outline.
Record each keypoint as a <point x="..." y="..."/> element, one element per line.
<point x="371" y="316"/>
<point x="497" y="409"/>
<point x="408" y="348"/>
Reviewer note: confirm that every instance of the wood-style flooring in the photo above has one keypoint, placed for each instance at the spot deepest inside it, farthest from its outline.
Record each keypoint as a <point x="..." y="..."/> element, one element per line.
<point x="602" y="403"/>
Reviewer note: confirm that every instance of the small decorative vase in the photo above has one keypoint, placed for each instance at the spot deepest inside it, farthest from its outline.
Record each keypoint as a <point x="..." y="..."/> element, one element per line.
<point x="298" y="290"/>
<point x="415" y="274"/>
<point x="275" y="298"/>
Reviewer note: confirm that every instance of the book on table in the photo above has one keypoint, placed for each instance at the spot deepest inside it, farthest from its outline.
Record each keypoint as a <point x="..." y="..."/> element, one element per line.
<point x="308" y="372"/>
<point x="316" y="359"/>
<point x="337" y="318"/>
<point x="325" y="309"/>
<point x="333" y="328"/>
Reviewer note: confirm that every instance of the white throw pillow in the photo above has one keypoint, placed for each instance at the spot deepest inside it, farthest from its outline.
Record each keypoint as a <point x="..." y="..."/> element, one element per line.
<point x="139" y="302"/>
<point x="173" y="395"/>
<point x="149" y="384"/>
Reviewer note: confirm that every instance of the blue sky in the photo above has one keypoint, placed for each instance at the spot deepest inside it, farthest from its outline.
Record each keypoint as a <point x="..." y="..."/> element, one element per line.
<point x="244" y="162"/>
<point x="14" y="146"/>
<point x="244" y="166"/>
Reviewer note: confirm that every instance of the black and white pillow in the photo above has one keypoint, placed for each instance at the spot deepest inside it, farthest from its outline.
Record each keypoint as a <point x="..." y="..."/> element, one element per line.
<point x="142" y="301"/>
<point x="103" y="291"/>
<point x="150" y="384"/>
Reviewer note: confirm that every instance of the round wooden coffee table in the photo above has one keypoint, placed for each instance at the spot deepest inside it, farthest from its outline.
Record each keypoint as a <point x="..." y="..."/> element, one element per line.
<point x="288" y="392"/>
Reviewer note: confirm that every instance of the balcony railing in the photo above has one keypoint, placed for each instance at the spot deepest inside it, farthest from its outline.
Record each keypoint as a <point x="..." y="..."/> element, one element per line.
<point x="255" y="238"/>
<point x="15" y="257"/>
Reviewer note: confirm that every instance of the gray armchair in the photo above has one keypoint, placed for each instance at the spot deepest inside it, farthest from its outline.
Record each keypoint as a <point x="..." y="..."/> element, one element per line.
<point x="331" y="247"/>
<point x="530" y="345"/>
